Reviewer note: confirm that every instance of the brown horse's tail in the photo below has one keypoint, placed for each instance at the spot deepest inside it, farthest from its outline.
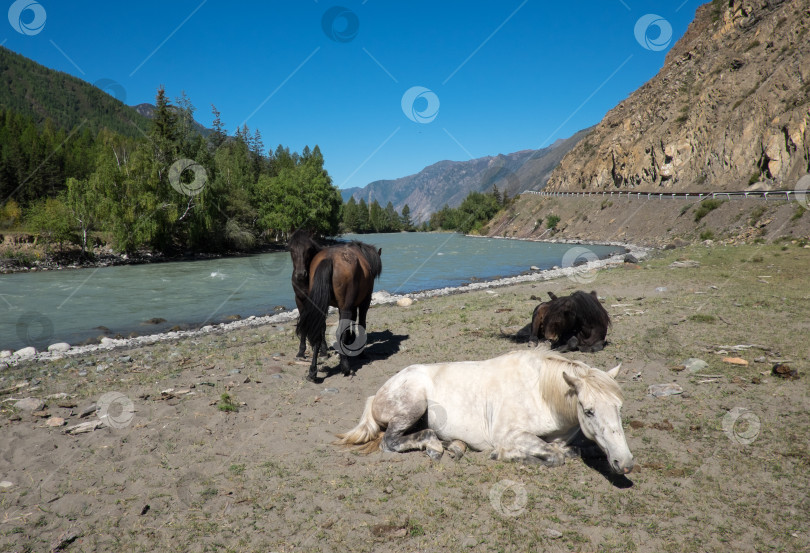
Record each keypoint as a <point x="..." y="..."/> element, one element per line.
<point x="312" y="322"/>
<point x="366" y="436"/>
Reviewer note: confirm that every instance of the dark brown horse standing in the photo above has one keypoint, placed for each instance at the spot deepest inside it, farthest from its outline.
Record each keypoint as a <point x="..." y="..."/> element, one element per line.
<point x="340" y="276"/>
<point x="578" y="321"/>
<point x="302" y="249"/>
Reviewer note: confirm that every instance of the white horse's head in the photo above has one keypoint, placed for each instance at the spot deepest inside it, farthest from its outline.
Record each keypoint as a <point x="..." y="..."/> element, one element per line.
<point x="599" y="403"/>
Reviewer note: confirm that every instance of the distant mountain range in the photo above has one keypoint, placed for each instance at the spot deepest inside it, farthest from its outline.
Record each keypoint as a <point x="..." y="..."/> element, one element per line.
<point x="449" y="182"/>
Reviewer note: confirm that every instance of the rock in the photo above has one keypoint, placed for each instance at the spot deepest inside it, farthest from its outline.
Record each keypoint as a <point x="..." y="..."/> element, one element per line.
<point x="5" y="484"/>
<point x="87" y="411"/>
<point x="685" y="264"/>
<point x="84" y="427"/>
<point x="735" y="361"/>
<point x="44" y="414"/>
<point x="630" y="258"/>
<point x="553" y="534"/>
<point x="693" y="365"/>
<point x="155" y="321"/>
<point x="82" y="373"/>
<point x="26" y="353"/>
<point x="534" y="268"/>
<point x="107" y="341"/>
<point x="55" y="421"/>
<point x="380" y="296"/>
<point x="404" y="302"/>
<point x="663" y="390"/>
<point x="5" y="353"/>
<point x="661" y="289"/>
<point x="30" y="404"/>
<point x="125" y="359"/>
<point x="330" y="390"/>
<point x="235" y="371"/>
<point x="59" y="347"/>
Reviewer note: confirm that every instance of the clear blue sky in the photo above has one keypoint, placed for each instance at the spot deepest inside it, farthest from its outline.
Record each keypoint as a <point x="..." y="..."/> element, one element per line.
<point x="508" y="76"/>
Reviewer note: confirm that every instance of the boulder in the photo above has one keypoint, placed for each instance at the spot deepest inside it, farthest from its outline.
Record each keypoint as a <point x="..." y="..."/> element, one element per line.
<point x="404" y="302"/>
<point x="25" y="353"/>
<point x="59" y="347"/>
<point x="29" y="404"/>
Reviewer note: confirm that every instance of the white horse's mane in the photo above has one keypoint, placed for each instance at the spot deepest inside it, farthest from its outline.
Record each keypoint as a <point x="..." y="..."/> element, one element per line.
<point x="558" y="394"/>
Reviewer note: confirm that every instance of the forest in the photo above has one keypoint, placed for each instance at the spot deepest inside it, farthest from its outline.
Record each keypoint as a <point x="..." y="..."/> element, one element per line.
<point x="172" y="190"/>
<point x="169" y="190"/>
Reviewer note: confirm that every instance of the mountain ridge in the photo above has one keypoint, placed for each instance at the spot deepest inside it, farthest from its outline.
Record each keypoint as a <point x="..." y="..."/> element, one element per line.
<point x="448" y="182"/>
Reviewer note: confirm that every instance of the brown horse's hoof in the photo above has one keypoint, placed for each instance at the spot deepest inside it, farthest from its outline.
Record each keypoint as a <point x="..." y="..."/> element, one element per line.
<point x="313" y="378"/>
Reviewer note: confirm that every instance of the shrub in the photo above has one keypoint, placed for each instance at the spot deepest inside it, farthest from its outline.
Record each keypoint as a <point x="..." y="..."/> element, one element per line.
<point x="707" y="235"/>
<point x="552" y="220"/>
<point x="707" y="206"/>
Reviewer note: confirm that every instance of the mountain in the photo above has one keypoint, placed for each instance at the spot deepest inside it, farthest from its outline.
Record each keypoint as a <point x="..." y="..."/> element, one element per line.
<point x="729" y="108"/>
<point x="449" y="182"/>
<point x="41" y="93"/>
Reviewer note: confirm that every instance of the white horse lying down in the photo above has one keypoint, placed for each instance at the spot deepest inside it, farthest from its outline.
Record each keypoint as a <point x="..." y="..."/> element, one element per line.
<point x="525" y="405"/>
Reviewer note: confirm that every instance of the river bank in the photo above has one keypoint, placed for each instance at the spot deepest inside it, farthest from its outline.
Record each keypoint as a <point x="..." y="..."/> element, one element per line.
<point x="582" y="264"/>
<point x="215" y="441"/>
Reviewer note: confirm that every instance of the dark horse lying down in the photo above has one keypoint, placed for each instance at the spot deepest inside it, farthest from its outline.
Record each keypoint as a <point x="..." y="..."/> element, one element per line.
<point x="572" y="322"/>
<point x="341" y="276"/>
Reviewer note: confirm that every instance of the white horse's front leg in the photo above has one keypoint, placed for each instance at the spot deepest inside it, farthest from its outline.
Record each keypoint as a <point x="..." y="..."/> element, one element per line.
<point x="528" y="448"/>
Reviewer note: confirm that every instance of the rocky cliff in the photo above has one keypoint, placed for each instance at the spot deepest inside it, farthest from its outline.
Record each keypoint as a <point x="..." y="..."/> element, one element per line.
<point x="729" y="109"/>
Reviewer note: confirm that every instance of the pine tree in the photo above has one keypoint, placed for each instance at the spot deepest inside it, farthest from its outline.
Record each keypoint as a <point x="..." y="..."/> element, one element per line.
<point x="407" y="224"/>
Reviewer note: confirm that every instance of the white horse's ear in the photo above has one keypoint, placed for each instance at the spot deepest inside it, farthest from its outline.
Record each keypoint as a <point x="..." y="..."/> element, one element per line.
<point x="572" y="381"/>
<point x="614" y="372"/>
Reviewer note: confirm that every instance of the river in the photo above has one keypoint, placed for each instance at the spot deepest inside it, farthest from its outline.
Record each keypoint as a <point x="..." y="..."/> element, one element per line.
<point x="40" y="308"/>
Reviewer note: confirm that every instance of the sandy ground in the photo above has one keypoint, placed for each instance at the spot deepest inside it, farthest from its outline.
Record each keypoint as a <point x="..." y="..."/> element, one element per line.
<point x="724" y="466"/>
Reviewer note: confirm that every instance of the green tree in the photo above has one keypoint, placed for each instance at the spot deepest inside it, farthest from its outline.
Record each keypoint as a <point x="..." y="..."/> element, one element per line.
<point x="83" y="202"/>
<point x="407" y="224"/>
<point x="363" y="223"/>
<point x="391" y="220"/>
<point x="50" y="218"/>
<point x="376" y="217"/>
<point x="350" y="215"/>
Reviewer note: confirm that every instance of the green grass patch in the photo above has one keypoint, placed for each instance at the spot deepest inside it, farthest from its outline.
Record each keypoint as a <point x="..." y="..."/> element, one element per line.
<point x="227" y="404"/>
<point x="707" y="206"/>
<point x="552" y="220"/>
<point x="702" y="318"/>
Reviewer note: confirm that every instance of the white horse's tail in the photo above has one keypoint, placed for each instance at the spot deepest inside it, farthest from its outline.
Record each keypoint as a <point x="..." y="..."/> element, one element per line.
<point x="366" y="436"/>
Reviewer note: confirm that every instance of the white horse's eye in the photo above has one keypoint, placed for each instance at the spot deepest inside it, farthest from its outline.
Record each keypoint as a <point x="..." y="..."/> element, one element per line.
<point x="588" y="412"/>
